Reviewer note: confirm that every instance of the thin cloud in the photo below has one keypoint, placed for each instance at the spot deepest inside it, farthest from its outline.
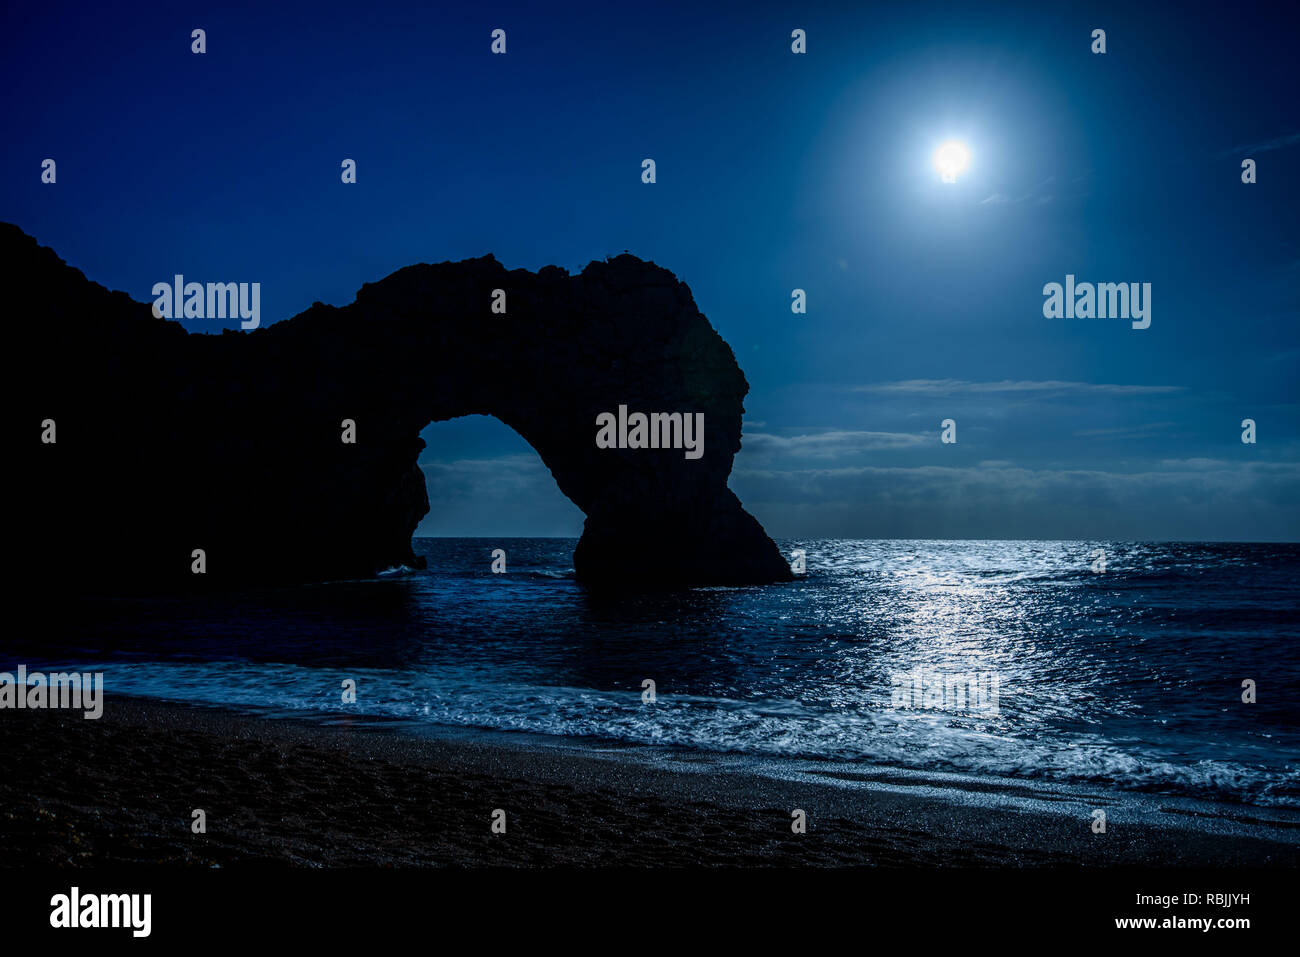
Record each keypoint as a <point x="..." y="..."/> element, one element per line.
<point x="827" y="445"/>
<point x="1053" y="386"/>
<point x="1198" y="464"/>
<point x="1126" y="431"/>
<point x="1035" y="195"/>
<point x="1263" y="146"/>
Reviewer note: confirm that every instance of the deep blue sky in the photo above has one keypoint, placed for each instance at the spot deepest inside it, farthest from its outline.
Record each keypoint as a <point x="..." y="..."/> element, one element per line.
<point x="775" y="171"/>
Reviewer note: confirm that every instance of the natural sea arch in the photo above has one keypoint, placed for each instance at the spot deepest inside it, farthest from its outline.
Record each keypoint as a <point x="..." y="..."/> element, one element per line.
<point x="232" y="443"/>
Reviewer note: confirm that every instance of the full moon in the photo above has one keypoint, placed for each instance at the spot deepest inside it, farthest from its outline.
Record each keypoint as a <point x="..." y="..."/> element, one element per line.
<point x="950" y="159"/>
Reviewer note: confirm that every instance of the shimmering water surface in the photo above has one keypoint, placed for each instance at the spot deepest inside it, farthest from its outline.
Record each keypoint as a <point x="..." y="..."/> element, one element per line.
<point x="1130" y="677"/>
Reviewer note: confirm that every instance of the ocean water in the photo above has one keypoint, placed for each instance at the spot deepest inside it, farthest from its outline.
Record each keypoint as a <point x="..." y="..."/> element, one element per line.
<point x="1129" y="677"/>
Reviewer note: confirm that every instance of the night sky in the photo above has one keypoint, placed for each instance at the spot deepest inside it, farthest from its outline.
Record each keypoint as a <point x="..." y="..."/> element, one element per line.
<point x="775" y="171"/>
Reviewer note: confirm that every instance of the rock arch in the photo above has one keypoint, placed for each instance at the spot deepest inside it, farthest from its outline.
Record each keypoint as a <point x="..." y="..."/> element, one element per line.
<point x="232" y="442"/>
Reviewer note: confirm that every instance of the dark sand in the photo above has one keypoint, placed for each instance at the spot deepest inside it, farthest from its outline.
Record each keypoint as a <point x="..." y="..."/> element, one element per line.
<point x="121" y="790"/>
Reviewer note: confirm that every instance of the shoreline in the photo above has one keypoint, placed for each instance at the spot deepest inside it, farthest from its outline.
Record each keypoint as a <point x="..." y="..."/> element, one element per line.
<point x="280" y="792"/>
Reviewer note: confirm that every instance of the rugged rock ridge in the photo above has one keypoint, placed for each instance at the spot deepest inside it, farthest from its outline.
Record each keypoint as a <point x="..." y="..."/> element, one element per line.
<point x="169" y="441"/>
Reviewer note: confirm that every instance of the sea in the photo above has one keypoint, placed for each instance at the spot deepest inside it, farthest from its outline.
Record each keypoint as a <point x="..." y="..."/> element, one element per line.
<point x="1168" y="668"/>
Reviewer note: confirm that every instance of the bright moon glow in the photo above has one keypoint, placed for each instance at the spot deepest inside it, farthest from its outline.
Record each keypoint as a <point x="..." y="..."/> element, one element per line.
<point x="950" y="159"/>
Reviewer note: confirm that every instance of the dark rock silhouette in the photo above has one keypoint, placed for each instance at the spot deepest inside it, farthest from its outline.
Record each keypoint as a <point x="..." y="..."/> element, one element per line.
<point x="169" y="441"/>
